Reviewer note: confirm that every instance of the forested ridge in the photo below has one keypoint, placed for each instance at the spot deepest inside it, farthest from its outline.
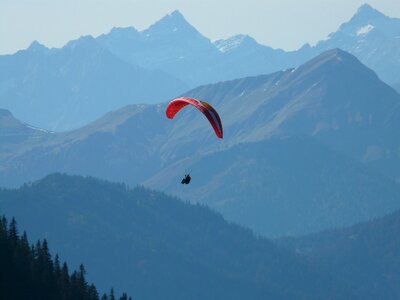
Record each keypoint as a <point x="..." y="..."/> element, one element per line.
<point x="154" y="246"/>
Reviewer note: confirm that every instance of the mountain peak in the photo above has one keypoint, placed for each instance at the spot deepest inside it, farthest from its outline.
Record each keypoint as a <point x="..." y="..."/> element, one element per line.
<point x="124" y="31"/>
<point x="7" y="120"/>
<point x="35" y="46"/>
<point x="176" y="14"/>
<point x="334" y="59"/>
<point x="366" y="12"/>
<point x="5" y="113"/>
<point x="123" y="37"/>
<point x="82" y="42"/>
<point x="173" y="19"/>
<point x="174" y="23"/>
<point x="333" y="54"/>
<point x="337" y="54"/>
<point x="122" y="34"/>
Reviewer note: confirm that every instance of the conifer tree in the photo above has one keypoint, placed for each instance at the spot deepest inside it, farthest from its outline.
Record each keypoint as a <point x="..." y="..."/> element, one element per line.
<point x="112" y="297"/>
<point x="104" y="297"/>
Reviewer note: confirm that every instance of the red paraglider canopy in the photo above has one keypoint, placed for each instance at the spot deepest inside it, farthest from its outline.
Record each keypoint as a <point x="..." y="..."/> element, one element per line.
<point x="211" y="114"/>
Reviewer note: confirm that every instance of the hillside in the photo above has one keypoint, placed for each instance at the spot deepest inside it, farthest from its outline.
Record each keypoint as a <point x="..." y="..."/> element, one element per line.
<point x="122" y="146"/>
<point x="16" y="136"/>
<point x="332" y="97"/>
<point x="155" y="246"/>
<point x="367" y="254"/>
<point x="282" y="186"/>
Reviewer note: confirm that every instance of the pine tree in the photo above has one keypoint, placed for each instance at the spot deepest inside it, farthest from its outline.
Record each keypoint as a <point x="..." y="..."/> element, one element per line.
<point x="112" y="297"/>
<point x="92" y="293"/>
<point x="12" y="231"/>
<point x="82" y="284"/>
<point x="57" y="267"/>
<point x="123" y="297"/>
<point x="104" y="297"/>
<point x="65" y="282"/>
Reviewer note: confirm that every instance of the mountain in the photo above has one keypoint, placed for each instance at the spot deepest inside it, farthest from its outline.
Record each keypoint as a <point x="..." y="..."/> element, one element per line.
<point x="282" y="186"/>
<point x="333" y="98"/>
<point x="347" y="117"/>
<point x="123" y="145"/>
<point x="373" y="38"/>
<point x="367" y="254"/>
<point x="155" y="246"/>
<point x="15" y="135"/>
<point x="243" y="56"/>
<point x="176" y="47"/>
<point x="171" y="45"/>
<point x="67" y="88"/>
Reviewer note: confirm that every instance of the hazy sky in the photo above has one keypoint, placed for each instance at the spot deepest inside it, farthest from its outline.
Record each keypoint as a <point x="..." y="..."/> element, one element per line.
<point x="286" y="24"/>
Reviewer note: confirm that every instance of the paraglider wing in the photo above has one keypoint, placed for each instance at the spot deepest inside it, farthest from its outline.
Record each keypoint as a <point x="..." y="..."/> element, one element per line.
<point x="211" y="114"/>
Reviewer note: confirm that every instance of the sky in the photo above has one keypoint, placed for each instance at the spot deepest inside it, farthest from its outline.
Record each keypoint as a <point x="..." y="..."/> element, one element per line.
<point x="285" y="24"/>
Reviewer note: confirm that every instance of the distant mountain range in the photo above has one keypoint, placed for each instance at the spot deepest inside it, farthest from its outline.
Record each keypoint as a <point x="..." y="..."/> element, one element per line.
<point x="177" y="48"/>
<point x="366" y="254"/>
<point x="63" y="89"/>
<point x="171" y="45"/>
<point x="373" y="38"/>
<point x="331" y="118"/>
<point x="156" y="247"/>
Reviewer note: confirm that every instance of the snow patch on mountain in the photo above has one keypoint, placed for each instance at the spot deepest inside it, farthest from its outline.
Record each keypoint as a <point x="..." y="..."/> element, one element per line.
<point x="39" y="129"/>
<point x="365" y="29"/>
<point x="230" y="43"/>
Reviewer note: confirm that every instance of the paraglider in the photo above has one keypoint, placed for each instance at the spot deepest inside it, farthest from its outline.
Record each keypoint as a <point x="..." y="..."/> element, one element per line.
<point x="186" y="179"/>
<point x="208" y="111"/>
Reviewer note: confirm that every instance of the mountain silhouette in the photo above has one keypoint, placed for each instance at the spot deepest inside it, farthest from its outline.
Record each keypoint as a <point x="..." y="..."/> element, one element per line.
<point x="155" y="246"/>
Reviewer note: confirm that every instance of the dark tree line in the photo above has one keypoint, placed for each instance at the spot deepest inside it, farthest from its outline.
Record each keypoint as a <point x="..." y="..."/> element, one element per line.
<point x="29" y="272"/>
